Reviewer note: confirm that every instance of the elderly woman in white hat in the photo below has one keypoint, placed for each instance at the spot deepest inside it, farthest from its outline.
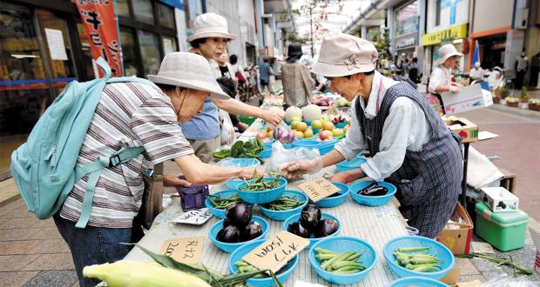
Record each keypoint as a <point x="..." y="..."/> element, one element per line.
<point x="440" y="80"/>
<point x="210" y="39"/>
<point x="134" y="114"/>
<point x="410" y="145"/>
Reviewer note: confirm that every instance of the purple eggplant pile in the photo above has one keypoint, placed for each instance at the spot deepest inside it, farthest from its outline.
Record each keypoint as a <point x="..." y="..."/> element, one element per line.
<point x="311" y="224"/>
<point x="237" y="225"/>
<point x="374" y="189"/>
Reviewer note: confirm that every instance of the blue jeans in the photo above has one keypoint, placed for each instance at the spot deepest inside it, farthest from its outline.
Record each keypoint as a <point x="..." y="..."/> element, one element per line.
<point x="93" y="245"/>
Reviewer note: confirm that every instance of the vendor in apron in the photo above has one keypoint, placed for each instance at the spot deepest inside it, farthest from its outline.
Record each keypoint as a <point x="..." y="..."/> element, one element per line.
<point x="440" y="80"/>
<point x="410" y="145"/>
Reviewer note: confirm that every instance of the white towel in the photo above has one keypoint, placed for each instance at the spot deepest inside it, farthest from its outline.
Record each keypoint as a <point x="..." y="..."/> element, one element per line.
<point x="481" y="171"/>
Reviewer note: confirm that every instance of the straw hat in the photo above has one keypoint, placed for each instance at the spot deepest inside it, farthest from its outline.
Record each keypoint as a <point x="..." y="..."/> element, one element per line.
<point x="446" y="52"/>
<point x="210" y="25"/>
<point x="188" y="70"/>
<point x="344" y="55"/>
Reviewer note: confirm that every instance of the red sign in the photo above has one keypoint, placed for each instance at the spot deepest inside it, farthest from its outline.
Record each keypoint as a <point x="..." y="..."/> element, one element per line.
<point x="99" y="19"/>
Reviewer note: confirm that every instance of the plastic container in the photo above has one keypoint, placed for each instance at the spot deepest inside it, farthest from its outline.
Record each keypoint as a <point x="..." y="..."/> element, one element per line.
<point x="192" y="197"/>
<point x="310" y="144"/>
<point x="268" y="143"/>
<point x="341" y="125"/>
<point x="263" y="196"/>
<point x="230" y="247"/>
<point x="333" y="201"/>
<point x="220" y="213"/>
<point x="372" y="200"/>
<point x="505" y="231"/>
<point x="440" y="251"/>
<point x="355" y="163"/>
<point x="417" y="281"/>
<point x="327" y="146"/>
<point x="344" y="244"/>
<point x="313" y="240"/>
<point x="234" y="183"/>
<point x="284" y="214"/>
<point x="240" y="162"/>
<point x="282" y="275"/>
<point x="246" y="120"/>
<point x="266" y="153"/>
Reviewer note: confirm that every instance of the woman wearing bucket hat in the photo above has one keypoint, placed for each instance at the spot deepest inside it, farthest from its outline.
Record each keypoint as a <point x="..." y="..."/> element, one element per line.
<point x="210" y="39"/>
<point x="135" y="114"/>
<point x="410" y="145"/>
<point x="440" y="80"/>
<point x="297" y="81"/>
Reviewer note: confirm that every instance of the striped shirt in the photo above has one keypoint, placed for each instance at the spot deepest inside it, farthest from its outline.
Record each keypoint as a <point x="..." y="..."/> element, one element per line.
<point x="128" y="115"/>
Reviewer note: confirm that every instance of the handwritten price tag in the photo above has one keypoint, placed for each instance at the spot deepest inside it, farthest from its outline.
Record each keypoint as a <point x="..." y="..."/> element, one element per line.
<point x="194" y="217"/>
<point x="277" y="251"/>
<point x="185" y="250"/>
<point x="318" y="189"/>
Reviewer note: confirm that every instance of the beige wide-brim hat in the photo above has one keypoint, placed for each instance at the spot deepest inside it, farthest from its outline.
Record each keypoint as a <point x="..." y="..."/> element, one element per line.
<point x="188" y="70"/>
<point x="345" y="55"/>
<point x="210" y="25"/>
<point x="447" y="51"/>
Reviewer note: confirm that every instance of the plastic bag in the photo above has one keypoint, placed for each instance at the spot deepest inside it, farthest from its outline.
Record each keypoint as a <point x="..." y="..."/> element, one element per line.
<point x="282" y="156"/>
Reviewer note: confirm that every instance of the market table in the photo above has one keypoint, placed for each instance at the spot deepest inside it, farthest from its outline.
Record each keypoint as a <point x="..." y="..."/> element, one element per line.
<point x="376" y="225"/>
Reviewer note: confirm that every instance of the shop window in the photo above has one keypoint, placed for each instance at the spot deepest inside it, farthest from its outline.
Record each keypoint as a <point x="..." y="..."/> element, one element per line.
<point x="407" y="19"/>
<point x="122" y="8"/>
<point x="437" y="13"/>
<point x="129" y="52"/>
<point x="166" y="16"/>
<point x="143" y="11"/>
<point x="169" y="45"/>
<point x="86" y="52"/>
<point x="151" y="56"/>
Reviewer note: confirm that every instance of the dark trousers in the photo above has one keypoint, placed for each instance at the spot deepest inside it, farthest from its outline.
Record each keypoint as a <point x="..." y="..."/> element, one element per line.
<point x="534" y="76"/>
<point x="519" y="79"/>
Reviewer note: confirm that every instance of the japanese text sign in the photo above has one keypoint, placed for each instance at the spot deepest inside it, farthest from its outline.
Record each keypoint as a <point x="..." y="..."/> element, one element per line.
<point x="99" y="19"/>
<point x="318" y="189"/>
<point x="186" y="250"/>
<point x="274" y="253"/>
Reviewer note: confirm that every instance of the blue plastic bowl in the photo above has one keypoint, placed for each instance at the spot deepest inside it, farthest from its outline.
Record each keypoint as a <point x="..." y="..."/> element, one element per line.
<point x="315" y="131"/>
<point x="335" y="200"/>
<point x="268" y="142"/>
<point x="284" y="214"/>
<point x="282" y="275"/>
<point x="313" y="240"/>
<point x="417" y="281"/>
<point x="310" y="144"/>
<point x="327" y="146"/>
<point x="372" y="200"/>
<point x="344" y="244"/>
<point x="230" y="247"/>
<point x="263" y="196"/>
<point x="234" y="183"/>
<point x="341" y="124"/>
<point x="287" y="146"/>
<point x="440" y="251"/>
<point x="220" y="213"/>
<point x="240" y="162"/>
<point x="350" y="164"/>
<point x="266" y="153"/>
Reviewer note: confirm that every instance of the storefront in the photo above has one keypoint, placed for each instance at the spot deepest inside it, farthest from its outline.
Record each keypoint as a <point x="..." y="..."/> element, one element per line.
<point x="406" y="30"/>
<point x="433" y="41"/>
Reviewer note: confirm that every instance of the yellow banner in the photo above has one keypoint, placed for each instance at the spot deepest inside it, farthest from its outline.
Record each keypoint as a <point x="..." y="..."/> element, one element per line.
<point x="452" y="33"/>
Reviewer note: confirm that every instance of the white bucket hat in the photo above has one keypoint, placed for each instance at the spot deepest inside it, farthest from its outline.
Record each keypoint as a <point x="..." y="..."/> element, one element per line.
<point x="188" y="70"/>
<point x="446" y="52"/>
<point x="210" y="25"/>
<point x="344" y="55"/>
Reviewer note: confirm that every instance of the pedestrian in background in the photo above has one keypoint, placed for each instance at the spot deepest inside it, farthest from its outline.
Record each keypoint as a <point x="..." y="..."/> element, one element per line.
<point x="265" y="71"/>
<point x="296" y="78"/>
<point x="477" y="73"/>
<point x="522" y="65"/>
<point x="414" y="74"/>
<point x="535" y="70"/>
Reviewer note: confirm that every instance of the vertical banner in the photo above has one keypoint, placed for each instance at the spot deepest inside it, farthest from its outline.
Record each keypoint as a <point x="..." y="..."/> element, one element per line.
<point x="100" y="22"/>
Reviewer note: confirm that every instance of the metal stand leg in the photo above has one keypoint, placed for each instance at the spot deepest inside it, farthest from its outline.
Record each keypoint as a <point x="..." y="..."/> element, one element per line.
<point x="464" y="183"/>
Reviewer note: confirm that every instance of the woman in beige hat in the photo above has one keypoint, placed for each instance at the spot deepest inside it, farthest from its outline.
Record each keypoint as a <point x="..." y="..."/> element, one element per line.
<point x="440" y="80"/>
<point x="135" y="114"/>
<point x="410" y="145"/>
<point x="210" y="39"/>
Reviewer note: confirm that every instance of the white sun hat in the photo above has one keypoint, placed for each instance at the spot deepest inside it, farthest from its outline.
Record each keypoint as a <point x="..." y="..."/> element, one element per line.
<point x="188" y="70"/>
<point x="446" y="52"/>
<point x="210" y="25"/>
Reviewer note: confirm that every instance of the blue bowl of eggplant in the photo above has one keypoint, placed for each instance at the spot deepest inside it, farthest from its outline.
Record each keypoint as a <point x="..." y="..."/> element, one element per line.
<point x="335" y="199"/>
<point x="313" y="224"/>
<point x="372" y="193"/>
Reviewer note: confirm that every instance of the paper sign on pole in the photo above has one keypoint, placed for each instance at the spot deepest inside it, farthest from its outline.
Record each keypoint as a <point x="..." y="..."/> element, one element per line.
<point x="55" y="41"/>
<point x="274" y="253"/>
<point x="318" y="189"/>
<point x="186" y="250"/>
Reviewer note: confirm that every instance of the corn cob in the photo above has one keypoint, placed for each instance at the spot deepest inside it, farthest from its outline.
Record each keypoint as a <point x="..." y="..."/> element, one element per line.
<point x="136" y="274"/>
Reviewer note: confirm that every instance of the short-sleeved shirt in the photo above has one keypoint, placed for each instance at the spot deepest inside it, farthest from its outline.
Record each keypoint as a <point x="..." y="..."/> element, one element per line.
<point x="204" y="126"/>
<point x="441" y="76"/>
<point x="128" y="115"/>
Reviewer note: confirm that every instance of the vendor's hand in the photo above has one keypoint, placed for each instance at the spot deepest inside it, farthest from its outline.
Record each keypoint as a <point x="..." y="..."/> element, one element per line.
<point x="294" y="169"/>
<point x="343" y="177"/>
<point x="454" y="89"/>
<point x="248" y="172"/>
<point x="174" y="180"/>
<point x="272" y="118"/>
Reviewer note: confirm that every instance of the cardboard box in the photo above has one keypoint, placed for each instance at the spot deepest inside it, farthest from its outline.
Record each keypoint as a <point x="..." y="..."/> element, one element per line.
<point x="464" y="128"/>
<point x="469" y="98"/>
<point x="498" y="199"/>
<point x="457" y="233"/>
<point x="451" y="277"/>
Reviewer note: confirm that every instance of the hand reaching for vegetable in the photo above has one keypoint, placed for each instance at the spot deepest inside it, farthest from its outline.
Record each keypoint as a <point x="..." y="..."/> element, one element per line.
<point x="249" y="172"/>
<point x="271" y="117"/>
<point x="174" y="180"/>
<point x="294" y="169"/>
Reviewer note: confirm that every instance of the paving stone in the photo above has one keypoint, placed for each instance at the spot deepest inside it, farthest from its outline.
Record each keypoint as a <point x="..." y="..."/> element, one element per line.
<point x="46" y="233"/>
<point x="467" y="268"/>
<point x="52" y="278"/>
<point x="17" y="247"/>
<point x="18" y="213"/>
<point x="467" y="278"/>
<point x="58" y="261"/>
<point x="17" y="234"/>
<point x="76" y="284"/>
<point x="50" y="246"/>
<point x="16" y="279"/>
<point x="49" y="223"/>
<point x="17" y="223"/>
<point x="16" y="262"/>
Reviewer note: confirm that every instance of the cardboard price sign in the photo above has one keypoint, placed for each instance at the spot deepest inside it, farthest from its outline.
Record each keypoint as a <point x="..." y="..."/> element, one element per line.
<point x="185" y="250"/>
<point x="318" y="189"/>
<point x="274" y="253"/>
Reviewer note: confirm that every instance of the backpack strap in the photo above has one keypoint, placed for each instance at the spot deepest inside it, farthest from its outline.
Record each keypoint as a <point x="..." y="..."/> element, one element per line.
<point x="94" y="170"/>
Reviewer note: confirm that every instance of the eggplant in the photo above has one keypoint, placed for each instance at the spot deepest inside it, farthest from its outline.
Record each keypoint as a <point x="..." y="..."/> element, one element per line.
<point x="226" y="222"/>
<point x="325" y="227"/>
<point x="374" y="191"/>
<point x="298" y="229"/>
<point x="252" y="231"/>
<point x="369" y="187"/>
<point x="310" y="216"/>
<point x="229" y="234"/>
<point x="238" y="215"/>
